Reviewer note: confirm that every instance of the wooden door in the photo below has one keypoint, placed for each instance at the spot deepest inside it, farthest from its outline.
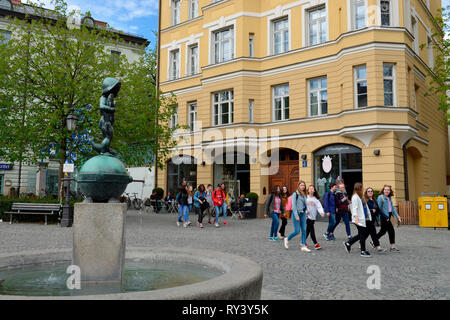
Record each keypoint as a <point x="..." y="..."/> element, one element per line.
<point x="288" y="175"/>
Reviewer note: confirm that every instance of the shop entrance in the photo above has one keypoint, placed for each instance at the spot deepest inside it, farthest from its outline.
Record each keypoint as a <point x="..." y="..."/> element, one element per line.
<point x="339" y="162"/>
<point x="288" y="171"/>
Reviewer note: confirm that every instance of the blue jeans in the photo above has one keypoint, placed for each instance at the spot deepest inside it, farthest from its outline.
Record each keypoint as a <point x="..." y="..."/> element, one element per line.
<point x="220" y="209"/>
<point x="275" y="223"/>
<point x="183" y="211"/>
<point x="345" y="216"/>
<point x="331" y="222"/>
<point x="299" y="225"/>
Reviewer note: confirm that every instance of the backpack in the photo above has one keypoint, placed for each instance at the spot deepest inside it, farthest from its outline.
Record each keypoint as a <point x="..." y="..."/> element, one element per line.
<point x="289" y="203"/>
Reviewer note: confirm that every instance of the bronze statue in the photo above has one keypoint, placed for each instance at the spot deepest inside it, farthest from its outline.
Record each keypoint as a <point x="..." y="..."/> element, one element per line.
<point x="111" y="88"/>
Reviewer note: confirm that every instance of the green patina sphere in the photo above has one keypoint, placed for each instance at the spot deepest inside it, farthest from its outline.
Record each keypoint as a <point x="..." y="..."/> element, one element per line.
<point x="103" y="178"/>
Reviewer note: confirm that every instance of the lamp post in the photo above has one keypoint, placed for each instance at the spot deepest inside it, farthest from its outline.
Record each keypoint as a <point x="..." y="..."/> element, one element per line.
<point x="67" y="212"/>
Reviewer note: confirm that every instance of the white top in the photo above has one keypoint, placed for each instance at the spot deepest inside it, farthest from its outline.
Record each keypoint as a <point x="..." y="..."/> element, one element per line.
<point x="313" y="206"/>
<point x="358" y="211"/>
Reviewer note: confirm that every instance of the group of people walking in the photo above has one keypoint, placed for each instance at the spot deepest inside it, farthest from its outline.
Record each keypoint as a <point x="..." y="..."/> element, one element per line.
<point x="303" y="206"/>
<point x="205" y="201"/>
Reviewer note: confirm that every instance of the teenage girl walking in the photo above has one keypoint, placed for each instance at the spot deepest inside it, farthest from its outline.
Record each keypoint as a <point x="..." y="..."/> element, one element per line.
<point x="218" y="198"/>
<point x="313" y="206"/>
<point x="286" y="215"/>
<point x="374" y="213"/>
<point x="183" y="206"/>
<point x="387" y="210"/>
<point x="274" y="207"/>
<point x="360" y="216"/>
<point x="199" y="203"/>
<point x="298" y="216"/>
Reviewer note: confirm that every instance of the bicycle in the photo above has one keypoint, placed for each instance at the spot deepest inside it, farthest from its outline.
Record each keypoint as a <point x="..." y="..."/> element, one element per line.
<point x="136" y="203"/>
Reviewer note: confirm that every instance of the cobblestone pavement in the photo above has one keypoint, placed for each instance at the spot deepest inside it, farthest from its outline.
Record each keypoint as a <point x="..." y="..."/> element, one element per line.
<point x="420" y="271"/>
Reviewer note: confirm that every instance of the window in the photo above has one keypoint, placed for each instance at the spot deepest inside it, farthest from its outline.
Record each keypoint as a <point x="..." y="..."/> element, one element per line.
<point x="358" y="14"/>
<point x="280" y="36"/>
<point x="416" y="97"/>
<point x="361" y="86"/>
<point x="223" y="104"/>
<point x="317" y="26"/>
<point x="251" y="104"/>
<point x="385" y="11"/>
<point x="174" y="119"/>
<point x="223" y="45"/>
<point x="192" y="116"/>
<point x="176" y="12"/>
<point x="5" y="36"/>
<point x="389" y="84"/>
<point x="174" y="65"/>
<point x="193" y="9"/>
<point x="415" y="34"/>
<point x="318" y="96"/>
<point x="430" y="53"/>
<point x="281" y="102"/>
<point x="115" y="56"/>
<point x="193" y="59"/>
<point x="251" y="45"/>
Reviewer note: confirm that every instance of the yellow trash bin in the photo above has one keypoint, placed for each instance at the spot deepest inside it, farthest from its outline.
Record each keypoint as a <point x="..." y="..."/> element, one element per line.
<point x="433" y="212"/>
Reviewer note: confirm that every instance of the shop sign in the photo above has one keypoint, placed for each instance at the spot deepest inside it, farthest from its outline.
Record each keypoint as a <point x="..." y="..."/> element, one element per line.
<point x="5" y="166"/>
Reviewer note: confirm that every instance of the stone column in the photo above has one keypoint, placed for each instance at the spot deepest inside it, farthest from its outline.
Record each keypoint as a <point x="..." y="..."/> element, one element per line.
<point x="41" y="178"/>
<point x="99" y="241"/>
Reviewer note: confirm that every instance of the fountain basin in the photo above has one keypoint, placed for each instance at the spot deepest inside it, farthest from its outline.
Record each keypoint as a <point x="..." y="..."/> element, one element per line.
<point x="238" y="278"/>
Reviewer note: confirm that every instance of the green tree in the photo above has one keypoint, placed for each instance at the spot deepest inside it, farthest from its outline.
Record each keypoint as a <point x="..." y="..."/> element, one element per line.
<point x="439" y="84"/>
<point x="48" y="69"/>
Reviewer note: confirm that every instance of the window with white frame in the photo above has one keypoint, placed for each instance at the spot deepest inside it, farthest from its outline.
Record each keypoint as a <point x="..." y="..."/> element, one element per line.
<point x="415" y="33"/>
<point x="360" y="73"/>
<point x="385" y="13"/>
<point x="176" y="12"/>
<point x="193" y="59"/>
<point x="358" y="14"/>
<point x="416" y="97"/>
<point x="192" y="116"/>
<point x="251" y="105"/>
<point x="430" y="49"/>
<point x="280" y="35"/>
<point x="281" y="102"/>
<point x="389" y="84"/>
<point x="5" y="36"/>
<point x="223" y="45"/>
<point x="251" y="45"/>
<point x="193" y="9"/>
<point x="318" y="96"/>
<point x="317" y="25"/>
<point x="223" y="107"/>
<point x="174" y="70"/>
<point x="174" y="119"/>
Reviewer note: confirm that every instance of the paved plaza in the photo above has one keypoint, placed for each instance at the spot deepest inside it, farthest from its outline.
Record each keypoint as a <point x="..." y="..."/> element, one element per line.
<point x="420" y="271"/>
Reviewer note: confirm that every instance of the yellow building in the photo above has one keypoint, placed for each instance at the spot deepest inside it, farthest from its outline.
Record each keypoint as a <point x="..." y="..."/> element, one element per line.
<point x="329" y="89"/>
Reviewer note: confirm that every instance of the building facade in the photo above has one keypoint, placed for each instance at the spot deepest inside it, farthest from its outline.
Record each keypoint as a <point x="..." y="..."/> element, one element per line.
<point x="335" y="89"/>
<point x="42" y="178"/>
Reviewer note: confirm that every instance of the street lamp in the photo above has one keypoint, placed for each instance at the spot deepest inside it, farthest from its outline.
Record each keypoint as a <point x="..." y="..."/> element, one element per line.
<point x="67" y="212"/>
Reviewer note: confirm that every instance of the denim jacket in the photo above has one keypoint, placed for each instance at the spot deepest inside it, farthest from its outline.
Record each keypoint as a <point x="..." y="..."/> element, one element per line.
<point x="383" y="204"/>
<point x="298" y="204"/>
<point x="197" y="196"/>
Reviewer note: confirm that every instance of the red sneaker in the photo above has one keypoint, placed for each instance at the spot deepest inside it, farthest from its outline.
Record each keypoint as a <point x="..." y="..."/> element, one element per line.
<point x="225" y="223"/>
<point x="317" y="246"/>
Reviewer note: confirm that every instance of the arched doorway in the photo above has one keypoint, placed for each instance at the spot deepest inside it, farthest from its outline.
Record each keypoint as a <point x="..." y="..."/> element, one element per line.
<point x="233" y="169"/>
<point x="180" y="168"/>
<point x="415" y="173"/>
<point x="337" y="162"/>
<point x="288" y="170"/>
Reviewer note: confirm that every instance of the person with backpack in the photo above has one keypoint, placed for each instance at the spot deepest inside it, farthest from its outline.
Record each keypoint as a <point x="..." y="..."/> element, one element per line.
<point x="298" y="216"/>
<point x="375" y="213"/>
<point x="200" y="203"/>
<point x="274" y="207"/>
<point x="313" y="206"/>
<point x="329" y="204"/>
<point x="342" y="205"/>
<point x="387" y="210"/>
<point x="218" y="197"/>
<point x="226" y="203"/>
<point x="286" y="215"/>
<point x="360" y="217"/>
<point x="183" y="206"/>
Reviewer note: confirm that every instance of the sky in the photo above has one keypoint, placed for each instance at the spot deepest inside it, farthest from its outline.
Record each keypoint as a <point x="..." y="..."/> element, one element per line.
<point x="139" y="17"/>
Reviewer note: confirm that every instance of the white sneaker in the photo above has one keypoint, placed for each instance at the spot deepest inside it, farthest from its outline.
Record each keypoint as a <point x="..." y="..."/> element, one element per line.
<point x="305" y="249"/>
<point x="185" y="225"/>
<point x="280" y="236"/>
<point x="286" y="243"/>
<point x="178" y="223"/>
<point x="217" y="225"/>
<point x="189" y="223"/>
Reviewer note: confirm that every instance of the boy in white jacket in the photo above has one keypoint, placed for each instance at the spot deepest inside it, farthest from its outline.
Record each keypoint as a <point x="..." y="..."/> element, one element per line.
<point x="360" y="213"/>
<point x="313" y="206"/>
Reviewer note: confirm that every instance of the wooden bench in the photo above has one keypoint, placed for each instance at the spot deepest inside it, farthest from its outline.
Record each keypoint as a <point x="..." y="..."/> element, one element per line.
<point x="35" y="209"/>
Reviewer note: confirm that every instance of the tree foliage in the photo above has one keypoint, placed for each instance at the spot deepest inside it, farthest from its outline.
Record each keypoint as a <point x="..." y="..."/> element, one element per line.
<point x="47" y="69"/>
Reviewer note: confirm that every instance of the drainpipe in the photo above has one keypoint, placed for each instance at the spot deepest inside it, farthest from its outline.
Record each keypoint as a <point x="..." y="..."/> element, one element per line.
<point x="158" y="54"/>
<point x="405" y="166"/>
